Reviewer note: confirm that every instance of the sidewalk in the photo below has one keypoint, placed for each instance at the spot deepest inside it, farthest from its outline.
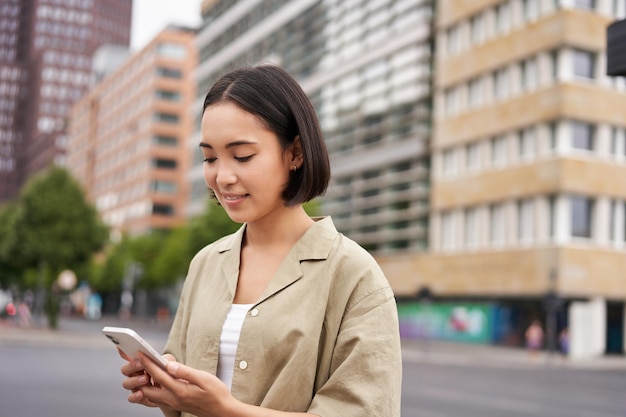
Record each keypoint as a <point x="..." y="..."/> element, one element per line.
<point x="77" y="332"/>
<point x="490" y="356"/>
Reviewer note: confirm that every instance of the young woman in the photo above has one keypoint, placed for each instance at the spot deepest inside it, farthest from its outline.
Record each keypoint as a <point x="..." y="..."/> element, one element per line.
<point x="286" y="317"/>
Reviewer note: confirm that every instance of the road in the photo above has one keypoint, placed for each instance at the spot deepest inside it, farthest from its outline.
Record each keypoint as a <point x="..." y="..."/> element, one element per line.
<point x="75" y="372"/>
<point x="438" y="390"/>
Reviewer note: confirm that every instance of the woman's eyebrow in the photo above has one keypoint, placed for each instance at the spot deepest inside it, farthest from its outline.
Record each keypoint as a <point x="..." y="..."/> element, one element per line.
<point x="229" y="145"/>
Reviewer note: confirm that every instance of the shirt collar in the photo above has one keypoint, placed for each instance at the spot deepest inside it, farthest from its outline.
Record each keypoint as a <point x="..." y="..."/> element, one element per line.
<point x="315" y="243"/>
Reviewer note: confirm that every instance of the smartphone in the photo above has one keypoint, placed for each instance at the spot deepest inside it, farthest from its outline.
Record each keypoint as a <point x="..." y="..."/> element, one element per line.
<point x="129" y="342"/>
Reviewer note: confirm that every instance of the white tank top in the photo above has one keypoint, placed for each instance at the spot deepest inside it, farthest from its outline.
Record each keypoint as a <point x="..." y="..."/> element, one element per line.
<point x="229" y="341"/>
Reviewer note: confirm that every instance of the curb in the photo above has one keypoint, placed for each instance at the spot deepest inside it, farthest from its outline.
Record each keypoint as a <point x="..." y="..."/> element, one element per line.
<point x="490" y="356"/>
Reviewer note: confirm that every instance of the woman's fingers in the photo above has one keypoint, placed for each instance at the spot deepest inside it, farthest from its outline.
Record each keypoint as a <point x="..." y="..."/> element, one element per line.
<point x="134" y="382"/>
<point x="132" y="368"/>
<point x="169" y="357"/>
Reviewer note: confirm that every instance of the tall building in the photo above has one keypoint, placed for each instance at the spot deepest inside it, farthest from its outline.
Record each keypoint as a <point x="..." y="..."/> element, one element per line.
<point x="13" y="82"/>
<point x="127" y="136"/>
<point x="46" y="48"/>
<point x="529" y="159"/>
<point x="367" y="68"/>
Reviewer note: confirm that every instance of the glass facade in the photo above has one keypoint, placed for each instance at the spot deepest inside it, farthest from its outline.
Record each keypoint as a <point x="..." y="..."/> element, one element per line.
<point x="366" y="66"/>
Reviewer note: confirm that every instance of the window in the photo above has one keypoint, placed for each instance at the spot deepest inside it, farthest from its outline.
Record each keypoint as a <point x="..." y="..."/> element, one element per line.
<point x="163" y="209"/>
<point x="531" y="10"/>
<point x="584" y="63"/>
<point x="168" y="95"/>
<point x="553" y="135"/>
<point x="166" y="117"/>
<point x="477" y="28"/>
<point x="527" y="143"/>
<point x="452" y="101"/>
<point x="612" y="220"/>
<point x="165" y="140"/>
<point x="624" y="221"/>
<point x="449" y="162"/>
<point x="525" y="220"/>
<point x="582" y="135"/>
<point x="475" y="96"/>
<point x="502" y="84"/>
<point x="619" y="9"/>
<point x="554" y="64"/>
<point x="166" y="187"/>
<point x="164" y="163"/>
<point x="453" y="40"/>
<point x="169" y="73"/>
<point x="618" y="141"/>
<point x="471" y="227"/>
<point x="473" y="156"/>
<point x="447" y="230"/>
<point x="551" y="216"/>
<point x="529" y="74"/>
<point x="496" y="223"/>
<point x="581" y="216"/>
<point x="171" y="50"/>
<point x="585" y="4"/>
<point x="503" y="17"/>
<point x="498" y="150"/>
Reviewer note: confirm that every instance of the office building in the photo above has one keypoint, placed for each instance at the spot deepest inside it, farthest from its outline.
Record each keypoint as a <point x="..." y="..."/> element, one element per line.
<point x="528" y="197"/>
<point x="45" y="60"/>
<point x="127" y="136"/>
<point x="366" y="65"/>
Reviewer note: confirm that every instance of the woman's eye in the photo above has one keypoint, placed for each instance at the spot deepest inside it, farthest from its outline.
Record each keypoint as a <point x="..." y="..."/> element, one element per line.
<point x="244" y="158"/>
<point x="209" y="160"/>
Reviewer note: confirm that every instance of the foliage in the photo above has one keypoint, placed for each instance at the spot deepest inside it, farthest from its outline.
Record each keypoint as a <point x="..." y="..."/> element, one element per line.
<point x="163" y="257"/>
<point x="54" y="224"/>
<point x="171" y="262"/>
<point x="50" y="228"/>
<point x="9" y="268"/>
<point x="108" y="275"/>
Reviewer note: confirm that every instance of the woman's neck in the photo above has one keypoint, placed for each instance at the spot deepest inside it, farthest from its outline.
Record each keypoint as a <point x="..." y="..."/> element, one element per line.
<point x="284" y="229"/>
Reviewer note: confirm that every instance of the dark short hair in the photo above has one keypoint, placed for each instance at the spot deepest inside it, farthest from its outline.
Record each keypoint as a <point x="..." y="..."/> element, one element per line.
<point x="278" y="101"/>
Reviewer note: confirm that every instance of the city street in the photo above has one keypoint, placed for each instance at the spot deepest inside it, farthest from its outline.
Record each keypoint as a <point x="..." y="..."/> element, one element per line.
<point x="75" y="371"/>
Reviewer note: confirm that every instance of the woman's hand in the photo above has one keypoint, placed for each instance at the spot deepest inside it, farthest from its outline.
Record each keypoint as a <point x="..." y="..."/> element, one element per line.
<point x="137" y="377"/>
<point x="179" y="388"/>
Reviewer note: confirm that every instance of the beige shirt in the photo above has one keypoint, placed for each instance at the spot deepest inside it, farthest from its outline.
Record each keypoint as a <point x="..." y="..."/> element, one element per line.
<point x="323" y="337"/>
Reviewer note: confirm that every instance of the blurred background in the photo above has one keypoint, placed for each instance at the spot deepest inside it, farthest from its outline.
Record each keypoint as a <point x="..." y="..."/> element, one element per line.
<point x="478" y="152"/>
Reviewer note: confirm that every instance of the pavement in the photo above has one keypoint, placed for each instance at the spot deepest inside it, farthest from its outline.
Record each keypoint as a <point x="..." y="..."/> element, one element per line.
<point x="83" y="333"/>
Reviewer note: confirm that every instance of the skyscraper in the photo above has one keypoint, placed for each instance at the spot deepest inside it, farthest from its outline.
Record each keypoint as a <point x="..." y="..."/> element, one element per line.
<point x="46" y="48"/>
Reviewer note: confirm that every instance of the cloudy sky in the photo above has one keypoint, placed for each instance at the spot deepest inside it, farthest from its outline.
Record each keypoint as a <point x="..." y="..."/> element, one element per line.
<point x="150" y="16"/>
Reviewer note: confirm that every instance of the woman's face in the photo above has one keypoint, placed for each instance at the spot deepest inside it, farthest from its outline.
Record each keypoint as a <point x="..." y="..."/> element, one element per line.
<point x="243" y="163"/>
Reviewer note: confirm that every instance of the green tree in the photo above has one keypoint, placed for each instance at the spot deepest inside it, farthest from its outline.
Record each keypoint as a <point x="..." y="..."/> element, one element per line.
<point x="9" y="267"/>
<point x="171" y="263"/>
<point x="54" y="228"/>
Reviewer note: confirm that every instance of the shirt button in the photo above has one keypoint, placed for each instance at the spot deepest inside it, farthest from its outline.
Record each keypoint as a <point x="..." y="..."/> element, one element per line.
<point x="254" y="312"/>
<point x="243" y="365"/>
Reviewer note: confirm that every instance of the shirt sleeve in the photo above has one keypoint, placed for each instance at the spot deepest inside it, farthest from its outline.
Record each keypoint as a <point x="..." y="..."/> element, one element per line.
<point x="366" y="368"/>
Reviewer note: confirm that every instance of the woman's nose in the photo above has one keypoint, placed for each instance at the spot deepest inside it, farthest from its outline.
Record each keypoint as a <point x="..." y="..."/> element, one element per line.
<point x="225" y="174"/>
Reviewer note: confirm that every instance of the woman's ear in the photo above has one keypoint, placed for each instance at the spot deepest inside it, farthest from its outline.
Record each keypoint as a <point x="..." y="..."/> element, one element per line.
<point x="297" y="158"/>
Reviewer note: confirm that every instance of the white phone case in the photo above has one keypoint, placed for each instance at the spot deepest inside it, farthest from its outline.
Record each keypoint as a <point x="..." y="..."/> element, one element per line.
<point x="129" y="342"/>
